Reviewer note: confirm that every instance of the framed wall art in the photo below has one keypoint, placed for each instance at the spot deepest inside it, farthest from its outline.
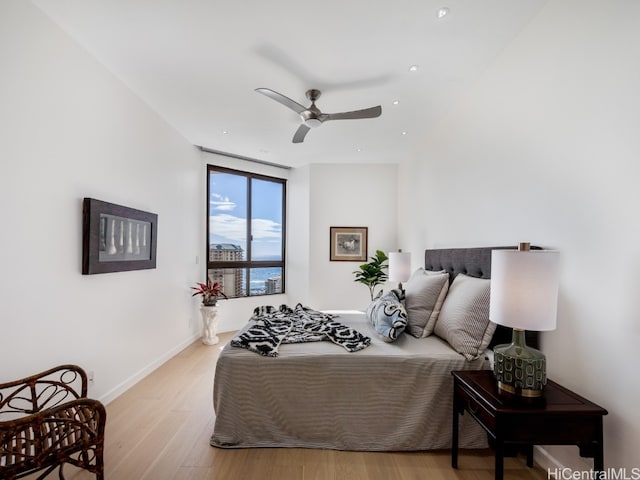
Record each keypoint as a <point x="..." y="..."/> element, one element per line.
<point x="117" y="238"/>
<point x="348" y="244"/>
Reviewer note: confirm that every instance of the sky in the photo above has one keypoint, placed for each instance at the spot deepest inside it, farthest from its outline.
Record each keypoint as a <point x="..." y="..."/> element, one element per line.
<point x="228" y="214"/>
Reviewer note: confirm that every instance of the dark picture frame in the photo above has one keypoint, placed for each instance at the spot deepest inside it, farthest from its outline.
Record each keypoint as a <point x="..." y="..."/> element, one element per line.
<point x="348" y="244"/>
<point x="117" y="238"/>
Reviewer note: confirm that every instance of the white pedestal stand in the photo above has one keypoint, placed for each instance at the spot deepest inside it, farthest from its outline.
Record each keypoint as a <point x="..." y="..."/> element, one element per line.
<point x="209" y="325"/>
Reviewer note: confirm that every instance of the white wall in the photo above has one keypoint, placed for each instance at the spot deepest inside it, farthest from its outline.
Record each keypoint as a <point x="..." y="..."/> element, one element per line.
<point x="546" y="148"/>
<point x="69" y="129"/>
<point x="298" y="235"/>
<point x="348" y="195"/>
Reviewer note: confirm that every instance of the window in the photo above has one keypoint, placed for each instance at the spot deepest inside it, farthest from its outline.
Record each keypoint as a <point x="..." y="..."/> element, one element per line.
<point x="245" y="232"/>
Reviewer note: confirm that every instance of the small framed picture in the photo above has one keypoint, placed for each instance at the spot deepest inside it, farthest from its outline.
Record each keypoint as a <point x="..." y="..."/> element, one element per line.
<point x="348" y="244"/>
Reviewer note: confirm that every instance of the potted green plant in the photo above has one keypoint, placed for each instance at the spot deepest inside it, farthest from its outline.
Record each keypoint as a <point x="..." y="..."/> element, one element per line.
<point x="373" y="273"/>
<point x="210" y="292"/>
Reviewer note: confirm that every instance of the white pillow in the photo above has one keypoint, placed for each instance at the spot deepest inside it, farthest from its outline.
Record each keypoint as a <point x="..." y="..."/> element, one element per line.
<point x="424" y="294"/>
<point x="464" y="318"/>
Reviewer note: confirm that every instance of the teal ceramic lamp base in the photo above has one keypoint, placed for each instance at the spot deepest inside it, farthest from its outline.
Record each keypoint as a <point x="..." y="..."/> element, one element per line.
<point x="519" y="370"/>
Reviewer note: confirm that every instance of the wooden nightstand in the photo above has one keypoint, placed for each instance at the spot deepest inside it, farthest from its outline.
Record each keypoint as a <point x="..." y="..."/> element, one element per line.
<point x="559" y="417"/>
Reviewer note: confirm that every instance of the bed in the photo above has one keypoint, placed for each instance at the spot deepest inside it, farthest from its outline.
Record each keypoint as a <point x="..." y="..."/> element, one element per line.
<point x="389" y="396"/>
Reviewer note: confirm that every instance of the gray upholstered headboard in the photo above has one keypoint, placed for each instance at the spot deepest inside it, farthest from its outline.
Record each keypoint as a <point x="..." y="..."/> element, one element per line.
<point x="475" y="262"/>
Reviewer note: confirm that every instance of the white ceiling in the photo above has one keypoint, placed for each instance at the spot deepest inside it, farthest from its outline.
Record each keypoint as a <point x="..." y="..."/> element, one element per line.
<point x="197" y="63"/>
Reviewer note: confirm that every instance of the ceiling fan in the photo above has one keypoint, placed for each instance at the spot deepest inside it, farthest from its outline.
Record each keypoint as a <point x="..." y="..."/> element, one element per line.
<point x="311" y="116"/>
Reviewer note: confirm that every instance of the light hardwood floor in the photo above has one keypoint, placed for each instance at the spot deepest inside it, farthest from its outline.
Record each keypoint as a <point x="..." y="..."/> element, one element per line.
<point x="160" y="428"/>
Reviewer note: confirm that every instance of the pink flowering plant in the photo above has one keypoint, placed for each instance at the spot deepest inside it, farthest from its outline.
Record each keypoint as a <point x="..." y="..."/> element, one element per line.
<point x="210" y="292"/>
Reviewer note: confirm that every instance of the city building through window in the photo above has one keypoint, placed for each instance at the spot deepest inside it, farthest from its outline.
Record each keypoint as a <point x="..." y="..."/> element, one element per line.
<point x="245" y="232"/>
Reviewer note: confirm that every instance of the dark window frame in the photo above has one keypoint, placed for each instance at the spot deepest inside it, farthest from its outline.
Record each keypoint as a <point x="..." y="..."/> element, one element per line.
<point x="247" y="265"/>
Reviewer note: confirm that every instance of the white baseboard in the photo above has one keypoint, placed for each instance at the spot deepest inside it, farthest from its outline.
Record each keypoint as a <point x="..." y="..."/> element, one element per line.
<point x="561" y="457"/>
<point x="545" y="460"/>
<point x="136" y="377"/>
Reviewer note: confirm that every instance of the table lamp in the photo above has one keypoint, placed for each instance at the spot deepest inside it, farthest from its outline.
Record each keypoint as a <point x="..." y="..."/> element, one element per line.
<point x="524" y="296"/>
<point x="399" y="267"/>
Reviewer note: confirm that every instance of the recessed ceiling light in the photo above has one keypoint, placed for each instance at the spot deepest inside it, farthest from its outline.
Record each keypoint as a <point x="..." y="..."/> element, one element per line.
<point x="396" y="102"/>
<point x="404" y="133"/>
<point x="413" y="68"/>
<point x="225" y="132"/>
<point x="358" y="149"/>
<point x="443" y="12"/>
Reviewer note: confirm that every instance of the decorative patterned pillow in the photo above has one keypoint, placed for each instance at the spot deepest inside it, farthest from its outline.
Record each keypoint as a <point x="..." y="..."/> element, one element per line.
<point x="388" y="315"/>
<point x="424" y="295"/>
<point x="464" y="318"/>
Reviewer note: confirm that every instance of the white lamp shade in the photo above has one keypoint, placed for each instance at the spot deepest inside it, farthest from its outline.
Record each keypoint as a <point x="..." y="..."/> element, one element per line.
<point x="399" y="266"/>
<point x="524" y="289"/>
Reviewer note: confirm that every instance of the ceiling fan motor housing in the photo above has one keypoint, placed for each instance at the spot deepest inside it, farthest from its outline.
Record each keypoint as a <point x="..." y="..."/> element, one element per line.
<point x="310" y="117"/>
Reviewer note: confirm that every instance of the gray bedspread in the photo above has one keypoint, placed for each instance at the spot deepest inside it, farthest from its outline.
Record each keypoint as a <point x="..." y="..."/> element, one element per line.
<point x="386" y="397"/>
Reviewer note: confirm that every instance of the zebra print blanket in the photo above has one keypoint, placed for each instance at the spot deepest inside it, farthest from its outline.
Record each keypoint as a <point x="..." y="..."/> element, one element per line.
<point x="271" y="327"/>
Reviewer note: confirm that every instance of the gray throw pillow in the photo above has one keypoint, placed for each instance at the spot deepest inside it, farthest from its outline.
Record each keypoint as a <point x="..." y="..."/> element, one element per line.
<point x="424" y="295"/>
<point x="464" y="318"/>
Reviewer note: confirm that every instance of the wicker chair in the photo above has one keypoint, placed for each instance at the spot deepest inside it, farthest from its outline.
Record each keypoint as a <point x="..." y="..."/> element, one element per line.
<point x="47" y="421"/>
